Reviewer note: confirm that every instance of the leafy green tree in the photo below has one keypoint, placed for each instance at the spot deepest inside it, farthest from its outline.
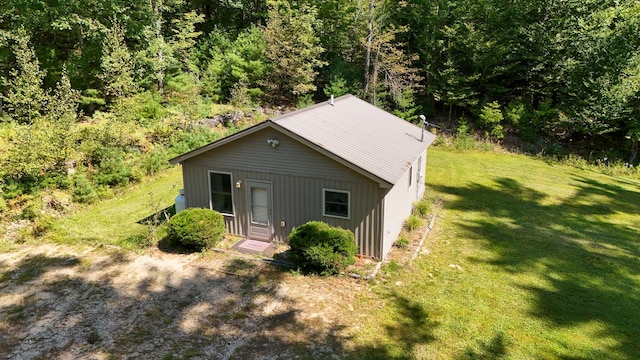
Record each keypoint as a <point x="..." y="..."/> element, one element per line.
<point x="293" y="51"/>
<point x="184" y="38"/>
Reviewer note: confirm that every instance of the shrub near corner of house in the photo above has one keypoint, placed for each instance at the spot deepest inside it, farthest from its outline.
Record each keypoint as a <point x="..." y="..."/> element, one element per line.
<point x="318" y="247"/>
<point x="196" y="228"/>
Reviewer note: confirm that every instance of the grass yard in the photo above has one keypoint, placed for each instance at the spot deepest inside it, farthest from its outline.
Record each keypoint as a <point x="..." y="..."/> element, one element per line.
<point x="115" y="221"/>
<point x="528" y="260"/>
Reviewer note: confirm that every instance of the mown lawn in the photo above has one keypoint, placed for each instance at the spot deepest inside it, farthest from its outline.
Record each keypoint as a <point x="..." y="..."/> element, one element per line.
<point x="117" y="221"/>
<point x="528" y="260"/>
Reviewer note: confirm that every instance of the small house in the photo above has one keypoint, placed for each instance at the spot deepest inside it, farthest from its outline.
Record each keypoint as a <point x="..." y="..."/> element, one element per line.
<point x="344" y="162"/>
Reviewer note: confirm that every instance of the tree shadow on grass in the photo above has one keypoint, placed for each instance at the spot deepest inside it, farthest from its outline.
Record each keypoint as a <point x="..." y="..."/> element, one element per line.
<point x="410" y="329"/>
<point x="588" y="248"/>
<point x="495" y="349"/>
<point x="138" y="309"/>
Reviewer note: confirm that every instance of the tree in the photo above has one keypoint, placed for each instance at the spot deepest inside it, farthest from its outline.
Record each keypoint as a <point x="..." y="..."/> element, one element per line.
<point x="63" y="103"/>
<point x="386" y="59"/>
<point x="25" y="97"/>
<point x="117" y="64"/>
<point x="490" y="118"/>
<point x="229" y="64"/>
<point x="293" y="51"/>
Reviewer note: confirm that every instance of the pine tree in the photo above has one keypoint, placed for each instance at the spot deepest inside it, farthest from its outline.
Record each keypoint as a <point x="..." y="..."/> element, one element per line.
<point x="117" y="64"/>
<point x="25" y="98"/>
<point x="293" y="50"/>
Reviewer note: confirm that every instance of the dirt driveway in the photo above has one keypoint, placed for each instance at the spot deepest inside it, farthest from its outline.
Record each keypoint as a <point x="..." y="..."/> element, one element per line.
<point x="59" y="302"/>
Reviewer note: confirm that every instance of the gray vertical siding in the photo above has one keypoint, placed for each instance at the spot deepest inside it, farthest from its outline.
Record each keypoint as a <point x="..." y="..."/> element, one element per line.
<point x="298" y="175"/>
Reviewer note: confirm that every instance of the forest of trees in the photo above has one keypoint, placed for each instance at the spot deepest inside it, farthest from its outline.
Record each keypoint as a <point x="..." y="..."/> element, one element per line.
<point x="112" y="86"/>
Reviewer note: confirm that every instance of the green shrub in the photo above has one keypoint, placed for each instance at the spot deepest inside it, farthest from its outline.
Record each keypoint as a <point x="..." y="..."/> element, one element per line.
<point x="83" y="191"/>
<point x="422" y="208"/>
<point x="413" y="222"/>
<point x="490" y="118"/>
<point x="153" y="161"/>
<point x="114" y="170"/>
<point x="41" y="224"/>
<point x="196" y="228"/>
<point x="318" y="247"/>
<point x="402" y="242"/>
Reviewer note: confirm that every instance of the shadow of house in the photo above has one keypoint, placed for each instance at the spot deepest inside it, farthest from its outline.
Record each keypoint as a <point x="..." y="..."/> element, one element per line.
<point x="160" y="217"/>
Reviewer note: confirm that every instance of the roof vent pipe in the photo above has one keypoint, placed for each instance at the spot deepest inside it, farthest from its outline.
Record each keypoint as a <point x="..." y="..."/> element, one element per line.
<point x="331" y="100"/>
<point x="423" y="118"/>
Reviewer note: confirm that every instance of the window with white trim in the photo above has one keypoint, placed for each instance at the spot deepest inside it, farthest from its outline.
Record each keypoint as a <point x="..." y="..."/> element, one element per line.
<point x="221" y="192"/>
<point x="336" y="203"/>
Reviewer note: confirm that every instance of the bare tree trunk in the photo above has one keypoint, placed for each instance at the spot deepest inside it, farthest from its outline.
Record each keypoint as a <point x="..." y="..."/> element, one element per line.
<point x="634" y="152"/>
<point x="157" y="12"/>
<point x="376" y="70"/>
<point x="369" y="41"/>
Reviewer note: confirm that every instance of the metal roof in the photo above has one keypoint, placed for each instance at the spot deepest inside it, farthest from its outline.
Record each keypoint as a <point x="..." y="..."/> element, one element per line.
<point x="352" y="131"/>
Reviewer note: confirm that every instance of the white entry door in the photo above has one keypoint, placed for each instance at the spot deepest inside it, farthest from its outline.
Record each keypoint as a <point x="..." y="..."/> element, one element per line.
<point x="259" y="196"/>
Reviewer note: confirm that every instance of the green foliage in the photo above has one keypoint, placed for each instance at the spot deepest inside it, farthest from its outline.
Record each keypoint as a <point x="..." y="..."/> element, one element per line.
<point x="233" y="65"/>
<point x="490" y="118"/>
<point x="63" y="103"/>
<point x="38" y="150"/>
<point x="186" y="140"/>
<point x="153" y="161"/>
<point x="293" y="50"/>
<point x="91" y="100"/>
<point x="320" y="248"/>
<point x="196" y="228"/>
<point x="405" y="106"/>
<point x="184" y="39"/>
<point x="103" y="135"/>
<point x="144" y="108"/>
<point x="390" y="77"/>
<point x="403" y="242"/>
<point x="25" y="97"/>
<point x="515" y="113"/>
<point x="336" y="87"/>
<point x="83" y="190"/>
<point x="182" y="88"/>
<point x="413" y="222"/>
<point x="41" y="224"/>
<point x="117" y="64"/>
<point x="544" y="117"/>
<point x="463" y="139"/>
<point x="113" y="169"/>
<point x="422" y="208"/>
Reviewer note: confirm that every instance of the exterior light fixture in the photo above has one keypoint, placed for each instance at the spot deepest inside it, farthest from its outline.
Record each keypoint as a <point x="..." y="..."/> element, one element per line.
<point x="238" y="184"/>
<point x="273" y="142"/>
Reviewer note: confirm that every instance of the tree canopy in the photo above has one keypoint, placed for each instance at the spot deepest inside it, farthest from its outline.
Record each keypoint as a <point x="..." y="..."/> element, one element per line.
<point x="546" y="71"/>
